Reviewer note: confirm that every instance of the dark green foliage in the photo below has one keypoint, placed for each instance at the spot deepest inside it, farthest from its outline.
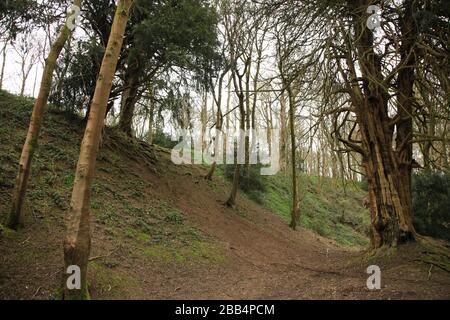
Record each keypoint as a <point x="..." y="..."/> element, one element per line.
<point x="250" y="181"/>
<point x="181" y="33"/>
<point x="431" y="204"/>
<point x="364" y="184"/>
<point x="14" y="16"/>
<point x="164" y="140"/>
<point x="74" y="92"/>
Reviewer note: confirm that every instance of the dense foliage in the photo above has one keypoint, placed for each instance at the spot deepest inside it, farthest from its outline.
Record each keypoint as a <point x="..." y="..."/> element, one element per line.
<point x="431" y="204"/>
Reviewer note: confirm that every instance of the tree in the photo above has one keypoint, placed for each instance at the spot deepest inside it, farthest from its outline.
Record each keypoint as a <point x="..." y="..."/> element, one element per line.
<point x="239" y="41"/>
<point x="178" y="35"/>
<point x="2" y="71"/>
<point x="28" y="54"/>
<point x="77" y="240"/>
<point x="31" y="141"/>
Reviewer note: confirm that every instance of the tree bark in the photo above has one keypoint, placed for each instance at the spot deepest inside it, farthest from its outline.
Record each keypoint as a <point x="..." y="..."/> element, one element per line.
<point x="31" y="142"/>
<point x="2" y="73"/>
<point x="219" y="123"/>
<point x="282" y="132"/>
<point x="130" y="97"/>
<point x="295" y="214"/>
<point x="77" y="238"/>
<point x="232" y="198"/>
<point x="387" y="174"/>
<point x="151" y="117"/>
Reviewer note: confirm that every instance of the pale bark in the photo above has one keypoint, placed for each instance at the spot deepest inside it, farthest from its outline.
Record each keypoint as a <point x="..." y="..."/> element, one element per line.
<point x="283" y="134"/>
<point x="295" y="214"/>
<point x="31" y="142"/>
<point x="2" y="73"/>
<point x="77" y="240"/>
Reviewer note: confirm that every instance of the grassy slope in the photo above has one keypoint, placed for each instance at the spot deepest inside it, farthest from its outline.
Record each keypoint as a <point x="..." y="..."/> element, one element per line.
<point x="327" y="207"/>
<point x="124" y="214"/>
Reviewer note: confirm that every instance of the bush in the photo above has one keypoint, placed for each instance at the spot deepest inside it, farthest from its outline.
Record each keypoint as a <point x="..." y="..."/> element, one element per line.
<point x="250" y="181"/>
<point x="431" y="204"/>
<point x="163" y="140"/>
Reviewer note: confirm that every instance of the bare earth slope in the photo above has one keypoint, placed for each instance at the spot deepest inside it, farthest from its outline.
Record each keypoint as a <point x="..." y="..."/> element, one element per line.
<point x="161" y="231"/>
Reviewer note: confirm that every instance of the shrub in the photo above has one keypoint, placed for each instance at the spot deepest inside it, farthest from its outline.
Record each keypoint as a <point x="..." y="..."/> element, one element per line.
<point x="431" y="204"/>
<point x="250" y="181"/>
<point x="164" y="140"/>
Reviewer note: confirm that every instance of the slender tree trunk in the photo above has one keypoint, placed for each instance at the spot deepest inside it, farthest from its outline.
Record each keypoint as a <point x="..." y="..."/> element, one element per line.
<point x="77" y="239"/>
<point x="227" y="122"/>
<point x="295" y="214"/>
<point x="31" y="142"/>
<point x="151" y="118"/>
<point x="203" y="121"/>
<point x="283" y="132"/>
<point x="269" y="124"/>
<point x="2" y="73"/>
<point x="247" y="116"/>
<point x="219" y="123"/>
<point x="237" y="169"/>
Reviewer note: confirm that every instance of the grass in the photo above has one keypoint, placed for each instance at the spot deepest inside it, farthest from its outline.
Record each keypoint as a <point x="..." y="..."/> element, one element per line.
<point x="326" y="206"/>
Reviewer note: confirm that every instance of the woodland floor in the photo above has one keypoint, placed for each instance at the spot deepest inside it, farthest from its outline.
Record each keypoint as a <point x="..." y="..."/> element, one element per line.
<point x="161" y="231"/>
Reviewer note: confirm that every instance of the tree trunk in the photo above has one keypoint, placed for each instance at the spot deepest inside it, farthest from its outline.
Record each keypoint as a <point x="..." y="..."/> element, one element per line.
<point x="31" y="142"/>
<point x="151" y="118"/>
<point x="232" y="198"/>
<point x="295" y="213"/>
<point x="219" y="123"/>
<point x="389" y="215"/>
<point x="388" y="173"/>
<point x="203" y="121"/>
<point x="405" y="84"/>
<point x="130" y="97"/>
<point x="2" y="73"/>
<point x="77" y="239"/>
<point x="282" y="132"/>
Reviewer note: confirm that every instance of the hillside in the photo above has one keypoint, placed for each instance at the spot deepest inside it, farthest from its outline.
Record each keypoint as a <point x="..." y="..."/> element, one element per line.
<point x="161" y="231"/>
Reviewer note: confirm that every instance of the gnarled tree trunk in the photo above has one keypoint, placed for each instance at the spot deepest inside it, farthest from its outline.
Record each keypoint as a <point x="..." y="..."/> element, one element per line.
<point x="387" y="169"/>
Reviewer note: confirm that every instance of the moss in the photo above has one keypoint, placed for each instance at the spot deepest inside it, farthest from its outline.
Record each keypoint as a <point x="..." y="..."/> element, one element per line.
<point x="107" y="281"/>
<point x="137" y="234"/>
<point x="82" y="294"/>
<point x="196" y="252"/>
<point x="7" y="232"/>
<point x="158" y="252"/>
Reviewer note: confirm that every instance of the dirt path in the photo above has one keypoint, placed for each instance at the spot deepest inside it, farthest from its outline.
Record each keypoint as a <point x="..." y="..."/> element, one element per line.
<point x="267" y="260"/>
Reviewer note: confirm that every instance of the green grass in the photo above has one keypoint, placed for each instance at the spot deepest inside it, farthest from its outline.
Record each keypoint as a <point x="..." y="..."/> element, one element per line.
<point x="326" y="206"/>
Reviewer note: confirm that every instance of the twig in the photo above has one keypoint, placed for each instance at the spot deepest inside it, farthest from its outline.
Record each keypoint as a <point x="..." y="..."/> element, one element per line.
<point x="37" y="291"/>
<point x="26" y="240"/>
